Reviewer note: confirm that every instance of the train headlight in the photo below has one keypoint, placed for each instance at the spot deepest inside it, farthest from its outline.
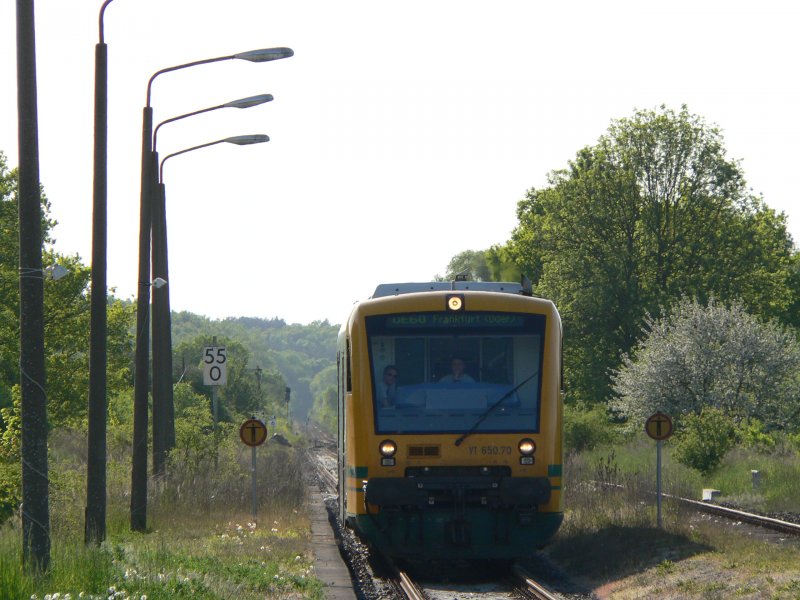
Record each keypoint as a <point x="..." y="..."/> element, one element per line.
<point x="526" y="448"/>
<point x="455" y="302"/>
<point x="387" y="449"/>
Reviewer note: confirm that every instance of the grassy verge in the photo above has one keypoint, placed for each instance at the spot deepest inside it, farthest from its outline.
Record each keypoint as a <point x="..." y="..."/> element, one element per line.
<point x="201" y="543"/>
<point x="610" y="541"/>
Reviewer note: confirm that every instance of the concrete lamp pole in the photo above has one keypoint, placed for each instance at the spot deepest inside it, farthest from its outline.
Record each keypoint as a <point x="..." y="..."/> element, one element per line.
<point x="163" y="405"/>
<point x="141" y="368"/>
<point x="95" y="516"/>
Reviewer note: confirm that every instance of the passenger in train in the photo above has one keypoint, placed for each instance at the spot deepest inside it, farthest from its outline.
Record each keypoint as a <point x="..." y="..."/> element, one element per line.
<point x="387" y="392"/>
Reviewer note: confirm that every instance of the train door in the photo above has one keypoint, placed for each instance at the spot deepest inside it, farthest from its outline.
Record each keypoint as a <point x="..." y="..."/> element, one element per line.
<point x="343" y="385"/>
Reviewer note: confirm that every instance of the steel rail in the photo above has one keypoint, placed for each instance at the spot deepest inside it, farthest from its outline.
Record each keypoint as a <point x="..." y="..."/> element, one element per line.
<point x="732" y="513"/>
<point x="729" y="513"/>
<point x="530" y="587"/>
<point x="407" y="586"/>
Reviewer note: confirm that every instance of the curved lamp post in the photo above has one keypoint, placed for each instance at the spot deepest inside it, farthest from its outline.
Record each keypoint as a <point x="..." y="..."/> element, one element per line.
<point x="163" y="406"/>
<point x="163" y="292"/>
<point x="95" y="517"/>
<point x="141" y="367"/>
<point x="239" y="140"/>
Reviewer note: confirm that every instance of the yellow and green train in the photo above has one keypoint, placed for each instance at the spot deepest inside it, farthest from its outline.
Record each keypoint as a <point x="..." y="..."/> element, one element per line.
<point x="450" y="420"/>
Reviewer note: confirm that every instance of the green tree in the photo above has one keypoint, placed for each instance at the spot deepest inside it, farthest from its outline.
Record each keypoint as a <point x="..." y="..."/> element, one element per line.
<point x="297" y="352"/>
<point x="653" y="211"/>
<point x="323" y="387"/>
<point x="469" y="264"/>
<point x="701" y="357"/>
<point x="66" y="331"/>
<point x="250" y="389"/>
<point x="704" y="439"/>
<point x="67" y="312"/>
<point x="501" y="264"/>
<point x="493" y="264"/>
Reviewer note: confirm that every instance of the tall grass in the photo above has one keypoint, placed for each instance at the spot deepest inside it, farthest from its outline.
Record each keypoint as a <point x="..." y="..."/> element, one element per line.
<point x="610" y="528"/>
<point x="779" y="485"/>
<point x="779" y="469"/>
<point x="202" y="540"/>
<point x="73" y="567"/>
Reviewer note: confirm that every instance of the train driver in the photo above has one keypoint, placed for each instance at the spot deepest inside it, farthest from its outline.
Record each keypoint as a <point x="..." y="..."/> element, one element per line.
<point x="457" y="373"/>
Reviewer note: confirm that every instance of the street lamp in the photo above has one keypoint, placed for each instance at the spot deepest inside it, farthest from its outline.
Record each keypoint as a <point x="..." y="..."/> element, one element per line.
<point x="141" y="368"/>
<point x="248" y="102"/>
<point x="239" y="140"/>
<point x="163" y="406"/>
<point x="95" y="518"/>
<point x="161" y="310"/>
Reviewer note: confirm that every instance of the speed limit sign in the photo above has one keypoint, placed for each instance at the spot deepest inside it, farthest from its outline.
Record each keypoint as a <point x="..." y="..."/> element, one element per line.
<point x="215" y="360"/>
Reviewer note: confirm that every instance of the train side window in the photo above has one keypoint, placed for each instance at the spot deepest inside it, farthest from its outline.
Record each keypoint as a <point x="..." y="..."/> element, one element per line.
<point x="349" y="377"/>
<point x="561" y="363"/>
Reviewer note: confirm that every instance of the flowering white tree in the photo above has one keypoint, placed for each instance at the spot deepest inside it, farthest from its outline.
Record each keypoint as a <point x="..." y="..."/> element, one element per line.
<point x="711" y="356"/>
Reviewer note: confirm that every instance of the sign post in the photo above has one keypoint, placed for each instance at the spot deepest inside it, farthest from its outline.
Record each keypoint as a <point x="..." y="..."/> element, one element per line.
<point x="659" y="427"/>
<point x="215" y="373"/>
<point x="253" y="433"/>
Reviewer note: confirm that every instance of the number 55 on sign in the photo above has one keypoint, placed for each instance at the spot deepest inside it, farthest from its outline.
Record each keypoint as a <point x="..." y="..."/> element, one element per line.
<point x="214" y="365"/>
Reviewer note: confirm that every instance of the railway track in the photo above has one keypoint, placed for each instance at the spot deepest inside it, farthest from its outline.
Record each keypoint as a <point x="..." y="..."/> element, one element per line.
<point x="726" y="512"/>
<point x="530" y="588"/>
<point x="407" y="587"/>
<point x="520" y="584"/>
<point x="403" y="583"/>
<point x="740" y="515"/>
<point x="517" y="583"/>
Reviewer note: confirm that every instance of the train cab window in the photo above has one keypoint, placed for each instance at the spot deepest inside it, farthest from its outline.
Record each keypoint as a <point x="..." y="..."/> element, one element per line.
<point x="500" y="353"/>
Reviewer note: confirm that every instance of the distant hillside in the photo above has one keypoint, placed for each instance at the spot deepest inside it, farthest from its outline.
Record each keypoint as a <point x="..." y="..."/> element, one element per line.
<point x="299" y="352"/>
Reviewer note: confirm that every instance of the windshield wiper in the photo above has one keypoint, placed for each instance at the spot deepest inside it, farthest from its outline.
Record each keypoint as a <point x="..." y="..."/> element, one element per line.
<point x="489" y="410"/>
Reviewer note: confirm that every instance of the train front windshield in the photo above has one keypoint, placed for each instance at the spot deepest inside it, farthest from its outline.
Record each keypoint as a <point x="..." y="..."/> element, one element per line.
<point x="455" y="372"/>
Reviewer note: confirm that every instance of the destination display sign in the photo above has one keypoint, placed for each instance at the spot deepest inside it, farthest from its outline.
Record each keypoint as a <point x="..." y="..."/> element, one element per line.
<point x="459" y="320"/>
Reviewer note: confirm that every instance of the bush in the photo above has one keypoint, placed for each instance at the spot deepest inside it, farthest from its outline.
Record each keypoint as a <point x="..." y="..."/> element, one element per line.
<point x="10" y="489"/>
<point x="586" y="427"/>
<point x="704" y="440"/>
<point x="750" y="434"/>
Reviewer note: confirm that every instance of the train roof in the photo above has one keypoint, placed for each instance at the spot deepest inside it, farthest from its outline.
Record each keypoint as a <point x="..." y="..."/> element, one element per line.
<point x="394" y="289"/>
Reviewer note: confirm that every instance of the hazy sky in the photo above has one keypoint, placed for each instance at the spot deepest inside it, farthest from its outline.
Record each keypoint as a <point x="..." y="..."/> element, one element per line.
<point x="401" y="132"/>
